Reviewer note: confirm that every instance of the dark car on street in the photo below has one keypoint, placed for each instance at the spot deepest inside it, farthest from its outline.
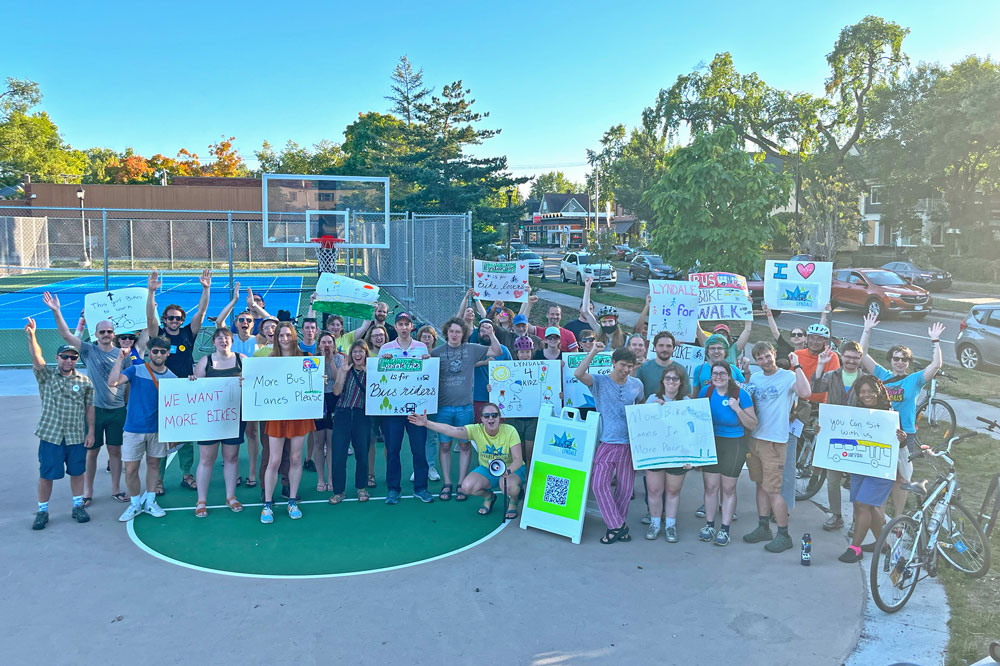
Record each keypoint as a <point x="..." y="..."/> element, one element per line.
<point x="878" y="291"/>
<point x="651" y="267"/>
<point x="928" y="278"/>
<point x="978" y="342"/>
<point x="755" y="284"/>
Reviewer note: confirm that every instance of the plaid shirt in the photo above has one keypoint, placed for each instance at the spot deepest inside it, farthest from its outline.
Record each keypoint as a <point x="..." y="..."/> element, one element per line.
<point x="64" y="406"/>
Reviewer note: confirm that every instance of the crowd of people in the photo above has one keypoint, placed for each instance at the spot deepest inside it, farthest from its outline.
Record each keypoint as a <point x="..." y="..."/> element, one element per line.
<point x="752" y="405"/>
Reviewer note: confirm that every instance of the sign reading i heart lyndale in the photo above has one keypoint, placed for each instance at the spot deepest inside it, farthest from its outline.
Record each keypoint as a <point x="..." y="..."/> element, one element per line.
<point x="501" y="280"/>
<point x="797" y="286"/>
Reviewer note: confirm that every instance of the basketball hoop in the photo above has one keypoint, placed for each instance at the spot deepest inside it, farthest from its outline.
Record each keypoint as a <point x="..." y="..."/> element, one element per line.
<point x="326" y="253"/>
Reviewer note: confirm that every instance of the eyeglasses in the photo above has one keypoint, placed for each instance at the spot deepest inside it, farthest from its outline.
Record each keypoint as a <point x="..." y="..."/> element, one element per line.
<point x="159" y="351"/>
<point x="107" y="331"/>
<point x="672" y="379"/>
<point x="173" y="318"/>
<point x="901" y="359"/>
<point x="491" y="415"/>
<point x="720" y="374"/>
<point x="127" y="337"/>
<point x="798" y="334"/>
<point x="587" y="340"/>
<point x="68" y="357"/>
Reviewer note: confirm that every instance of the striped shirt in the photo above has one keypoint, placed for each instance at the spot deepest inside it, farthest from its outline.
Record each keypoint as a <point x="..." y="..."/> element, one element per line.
<point x="353" y="395"/>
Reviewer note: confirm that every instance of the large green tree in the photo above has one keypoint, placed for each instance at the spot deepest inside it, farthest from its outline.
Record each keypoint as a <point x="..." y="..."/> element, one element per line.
<point x="629" y="164"/>
<point x="30" y="142"/>
<point x="712" y="207"/>
<point x="552" y="182"/>
<point x="325" y="157"/>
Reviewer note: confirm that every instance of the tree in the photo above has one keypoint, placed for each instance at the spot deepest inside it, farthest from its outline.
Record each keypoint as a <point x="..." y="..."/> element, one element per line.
<point x="712" y="206"/>
<point x="18" y="96"/>
<point x="228" y="161"/>
<point x="31" y="144"/>
<point x="552" y="182"/>
<point x="408" y="90"/>
<point x="830" y="212"/>
<point x="325" y="157"/>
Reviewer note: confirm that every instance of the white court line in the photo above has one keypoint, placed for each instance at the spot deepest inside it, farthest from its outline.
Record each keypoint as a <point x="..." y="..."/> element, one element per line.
<point x="847" y="323"/>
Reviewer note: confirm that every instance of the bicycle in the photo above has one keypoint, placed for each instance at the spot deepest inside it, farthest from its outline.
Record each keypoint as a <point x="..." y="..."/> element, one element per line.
<point x="935" y="418"/>
<point x="988" y="515"/>
<point x="808" y="479"/>
<point x="939" y="526"/>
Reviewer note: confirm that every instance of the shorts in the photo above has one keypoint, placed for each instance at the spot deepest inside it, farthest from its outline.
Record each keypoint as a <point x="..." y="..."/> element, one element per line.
<point x="57" y="460"/>
<point x="766" y="464"/>
<point x="329" y="404"/>
<point x="525" y="428"/>
<point x="676" y="471"/>
<point x="135" y="444"/>
<point x="455" y="415"/>
<point x="520" y="473"/>
<point x="235" y="441"/>
<point x="731" y="453"/>
<point x="108" y="426"/>
<point x="869" y="490"/>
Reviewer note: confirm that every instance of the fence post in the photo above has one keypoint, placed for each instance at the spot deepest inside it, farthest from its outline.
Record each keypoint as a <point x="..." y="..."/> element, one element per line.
<point x="211" y="246"/>
<point x="104" y="224"/>
<point x="170" y="240"/>
<point x="249" y="247"/>
<point x="131" y="243"/>
<point x="229" y="236"/>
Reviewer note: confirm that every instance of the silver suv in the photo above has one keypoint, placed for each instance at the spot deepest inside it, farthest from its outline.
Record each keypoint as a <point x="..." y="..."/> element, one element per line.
<point x="978" y="341"/>
<point x="577" y="266"/>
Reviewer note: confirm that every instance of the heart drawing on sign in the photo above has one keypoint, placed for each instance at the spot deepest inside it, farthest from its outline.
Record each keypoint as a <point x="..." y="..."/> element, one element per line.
<point x="805" y="270"/>
<point x="522" y="266"/>
<point x="518" y="293"/>
<point x="479" y="275"/>
<point x="476" y="293"/>
<point x="524" y="281"/>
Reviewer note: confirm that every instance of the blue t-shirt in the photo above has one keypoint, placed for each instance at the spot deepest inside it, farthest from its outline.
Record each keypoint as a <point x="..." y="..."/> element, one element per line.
<point x="482" y="376"/>
<point x="308" y="349"/>
<point x="725" y="422"/>
<point x="702" y="376"/>
<point x="141" y="415"/>
<point x="903" y="394"/>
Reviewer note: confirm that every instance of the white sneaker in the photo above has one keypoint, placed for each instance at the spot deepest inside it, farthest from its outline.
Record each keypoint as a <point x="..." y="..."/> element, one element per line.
<point x="153" y="509"/>
<point x="131" y="511"/>
<point x="432" y="474"/>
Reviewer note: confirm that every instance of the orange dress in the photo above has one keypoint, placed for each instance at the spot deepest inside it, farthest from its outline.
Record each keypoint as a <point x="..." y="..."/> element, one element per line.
<point x="289" y="429"/>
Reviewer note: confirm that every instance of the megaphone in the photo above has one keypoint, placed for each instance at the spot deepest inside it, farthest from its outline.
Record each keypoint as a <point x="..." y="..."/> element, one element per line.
<point x="497" y="467"/>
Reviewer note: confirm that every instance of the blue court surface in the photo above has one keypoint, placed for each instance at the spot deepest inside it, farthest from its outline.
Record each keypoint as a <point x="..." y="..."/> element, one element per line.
<point x="279" y="293"/>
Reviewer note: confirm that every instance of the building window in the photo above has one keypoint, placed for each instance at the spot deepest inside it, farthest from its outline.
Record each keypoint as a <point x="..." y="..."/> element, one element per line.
<point x="875" y="195"/>
<point x="327" y="196"/>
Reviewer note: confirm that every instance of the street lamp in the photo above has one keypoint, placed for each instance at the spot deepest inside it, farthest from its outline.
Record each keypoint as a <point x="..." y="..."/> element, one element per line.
<point x="510" y="195"/>
<point x="80" y="194"/>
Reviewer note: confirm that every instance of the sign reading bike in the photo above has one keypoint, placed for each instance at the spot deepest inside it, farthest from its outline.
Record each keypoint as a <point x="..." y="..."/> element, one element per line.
<point x="400" y="386"/>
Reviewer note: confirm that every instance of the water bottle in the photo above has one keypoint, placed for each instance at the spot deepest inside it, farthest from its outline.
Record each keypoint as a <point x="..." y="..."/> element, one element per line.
<point x="807" y="546"/>
<point x="937" y="516"/>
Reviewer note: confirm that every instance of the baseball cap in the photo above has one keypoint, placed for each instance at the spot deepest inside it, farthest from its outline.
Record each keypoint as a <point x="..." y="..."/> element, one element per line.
<point x="520" y="319"/>
<point x="66" y="348"/>
<point x="721" y="327"/>
<point x="403" y="315"/>
<point x="818" y="329"/>
<point x="552" y="330"/>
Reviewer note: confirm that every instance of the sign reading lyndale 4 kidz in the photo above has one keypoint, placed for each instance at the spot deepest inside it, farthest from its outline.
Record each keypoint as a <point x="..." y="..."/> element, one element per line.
<point x="501" y="280"/>
<point x="400" y="386"/>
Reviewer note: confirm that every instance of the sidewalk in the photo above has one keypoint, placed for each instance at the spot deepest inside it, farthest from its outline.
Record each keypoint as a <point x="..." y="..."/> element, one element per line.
<point x="966" y="412"/>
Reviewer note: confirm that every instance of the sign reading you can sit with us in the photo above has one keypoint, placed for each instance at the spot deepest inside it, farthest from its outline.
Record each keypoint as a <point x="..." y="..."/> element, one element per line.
<point x="501" y="280"/>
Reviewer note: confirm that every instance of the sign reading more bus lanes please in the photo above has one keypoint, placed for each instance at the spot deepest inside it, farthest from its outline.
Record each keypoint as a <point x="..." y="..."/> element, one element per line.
<point x="401" y="386"/>
<point x="501" y="280"/>
<point x="279" y="388"/>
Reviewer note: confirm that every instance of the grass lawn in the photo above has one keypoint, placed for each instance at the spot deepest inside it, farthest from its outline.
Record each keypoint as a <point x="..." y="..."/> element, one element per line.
<point x="603" y="297"/>
<point x="975" y="615"/>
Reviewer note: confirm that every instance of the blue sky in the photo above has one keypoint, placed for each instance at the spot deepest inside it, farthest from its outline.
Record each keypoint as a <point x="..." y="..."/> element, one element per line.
<point x="554" y="76"/>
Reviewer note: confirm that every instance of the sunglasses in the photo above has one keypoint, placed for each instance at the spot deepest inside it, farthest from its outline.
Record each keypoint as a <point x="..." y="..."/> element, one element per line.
<point x="587" y="340"/>
<point x="127" y="336"/>
<point x="491" y="415"/>
<point x="108" y="331"/>
<point x="173" y="318"/>
<point x="901" y="359"/>
<point x="671" y="379"/>
<point x="68" y="357"/>
<point x="159" y="351"/>
<point x="798" y="334"/>
<point x="244" y="321"/>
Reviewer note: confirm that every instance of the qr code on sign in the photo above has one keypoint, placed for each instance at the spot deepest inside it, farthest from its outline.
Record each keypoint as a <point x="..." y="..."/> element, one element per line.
<point x="556" y="488"/>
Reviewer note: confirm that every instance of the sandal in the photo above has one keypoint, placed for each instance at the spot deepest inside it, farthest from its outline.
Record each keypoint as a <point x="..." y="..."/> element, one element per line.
<point x="620" y="534"/>
<point x="160" y="492"/>
<point x="87" y="501"/>
<point x="363" y="495"/>
<point x="460" y="496"/>
<point x="239" y="481"/>
<point x="320" y="487"/>
<point x="371" y="481"/>
<point x="251" y="483"/>
<point x="189" y="482"/>
<point x="510" y="515"/>
<point x="336" y="499"/>
<point x="121" y="497"/>
<point x="487" y="507"/>
<point x="234" y="504"/>
<point x="328" y="488"/>
<point x="445" y="492"/>
<point x="201" y="509"/>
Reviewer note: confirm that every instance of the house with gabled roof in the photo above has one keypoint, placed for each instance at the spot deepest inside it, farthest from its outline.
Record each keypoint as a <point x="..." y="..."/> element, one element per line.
<point x="562" y="219"/>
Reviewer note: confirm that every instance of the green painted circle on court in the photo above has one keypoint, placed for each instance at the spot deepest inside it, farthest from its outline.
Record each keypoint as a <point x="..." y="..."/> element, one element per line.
<point x="329" y="540"/>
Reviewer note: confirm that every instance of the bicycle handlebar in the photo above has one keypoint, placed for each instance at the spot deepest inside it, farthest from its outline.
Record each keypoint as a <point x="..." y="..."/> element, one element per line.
<point x="990" y="425"/>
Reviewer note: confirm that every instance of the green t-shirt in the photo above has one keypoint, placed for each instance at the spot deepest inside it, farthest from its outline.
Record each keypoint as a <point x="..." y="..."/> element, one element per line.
<point x="849" y="378"/>
<point x="649" y="374"/>
<point x="498" y="446"/>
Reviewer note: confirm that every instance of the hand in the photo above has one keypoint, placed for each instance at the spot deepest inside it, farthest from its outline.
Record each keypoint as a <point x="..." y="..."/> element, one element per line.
<point x="425" y="356"/>
<point x="828" y="309"/>
<point x="153" y="283"/>
<point x="688" y="466"/>
<point x="29" y="328"/>
<point x="88" y="440"/>
<point x="589" y="280"/>
<point x="386" y="355"/>
<point x="871" y="321"/>
<point x="312" y="299"/>
<point x="598" y="347"/>
<point x="250" y="302"/>
<point x="661" y="401"/>
<point x="206" y="279"/>
<point x="51" y="300"/>
<point x="418" y="419"/>
<point x="497" y="305"/>
<point x="192" y="377"/>
<point x="471" y="292"/>
<point x="825" y="356"/>
<point x="734" y="404"/>
<point x="901" y="436"/>
<point x="649" y="298"/>
<point x="765" y="309"/>
<point x="745" y="366"/>
<point x="236" y="290"/>
<point x="533" y="299"/>
<point x="489" y="388"/>
<point x="934" y="331"/>
<point x="123" y="354"/>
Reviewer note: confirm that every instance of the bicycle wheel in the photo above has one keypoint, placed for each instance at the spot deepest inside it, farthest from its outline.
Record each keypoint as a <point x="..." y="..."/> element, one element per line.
<point x="988" y="514"/>
<point x="893" y="575"/>
<point x="935" y="422"/>
<point x="962" y="544"/>
<point x="808" y="479"/>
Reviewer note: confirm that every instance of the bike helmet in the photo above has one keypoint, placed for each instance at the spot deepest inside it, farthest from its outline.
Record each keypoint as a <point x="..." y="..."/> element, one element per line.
<point x="818" y="329"/>
<point x="523" y="342"/>
<point x="607" y="311"/>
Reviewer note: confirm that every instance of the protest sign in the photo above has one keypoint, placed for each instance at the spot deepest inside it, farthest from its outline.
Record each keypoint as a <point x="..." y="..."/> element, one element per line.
<point x="674" y="434"/>
<point x="519" y="388"/>
<point x="336" y="294"/>
<point x="400" y="386"/>
<point x="575" y="392"/>
<point x="797" y="286"/>
<point x="723" y="296"/>
<point x="555" y="499"/>
<point x="125" y="308"/>
<point x="856" y="440"/>
<point x="279" y="388"/>
<point x="501" y="280"/>
<point x="688" y="356"/>
<point x="673" y="307"/>
<point x="204" y="410"/>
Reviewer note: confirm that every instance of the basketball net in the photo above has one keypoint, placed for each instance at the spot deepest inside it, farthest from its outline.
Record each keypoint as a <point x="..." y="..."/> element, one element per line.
<point x="326" y="253"/>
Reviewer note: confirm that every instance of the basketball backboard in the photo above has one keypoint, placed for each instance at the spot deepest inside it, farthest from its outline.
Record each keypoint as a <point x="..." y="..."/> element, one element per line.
<point x="296" y="208"/>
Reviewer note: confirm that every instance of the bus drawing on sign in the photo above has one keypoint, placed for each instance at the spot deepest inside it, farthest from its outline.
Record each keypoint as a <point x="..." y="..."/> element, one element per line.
<point x="878" y="454"/>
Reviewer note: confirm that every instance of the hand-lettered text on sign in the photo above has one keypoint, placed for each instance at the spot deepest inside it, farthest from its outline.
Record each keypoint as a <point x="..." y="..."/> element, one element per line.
<point x="277" y="388"/>
<point x="125" y="308"/>
<point x="204" y="410"/>
<point x="723" y="296"/>
<point x="501" y="280"/>
<point x="673" y="307"/>
<point x="401" y="386"/>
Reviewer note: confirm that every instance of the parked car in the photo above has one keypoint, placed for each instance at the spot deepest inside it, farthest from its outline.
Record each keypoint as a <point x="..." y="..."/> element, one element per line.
<point x="578" y="265"/>
<point x="635" y="252"/>
<point x="755" y="283"/>
<point x="518" y="246"/>
<point x="807" y="257"/>
<point x="879" y="291"/>
<point x="622" y="251"/>
<point x="651" y="267"/>
<point x="535" y="262"/>
<point x="928" y="278"/>
<point x="978" y="341"/>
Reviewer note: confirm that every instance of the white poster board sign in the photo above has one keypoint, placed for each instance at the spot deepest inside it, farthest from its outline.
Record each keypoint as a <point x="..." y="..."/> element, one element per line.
<point x="400" y="386"/>
<point x="519" y="388"/>
<point x="673" y="307"/>
<point x="280" y="388"/>
<point x="555" y="499"/>
<point x="338" y="294"/>
<point x="674" y="434"/>
<point x="797" y="286"/>
<point x="575" y="392"/>
<point x="687" y="356"/>
<point x="125" y="308"/>
<point x="857" y="441"/>
<point x="501" y="280"/>
<point x="204" y="410"/>
<point x="723" y="296"/>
